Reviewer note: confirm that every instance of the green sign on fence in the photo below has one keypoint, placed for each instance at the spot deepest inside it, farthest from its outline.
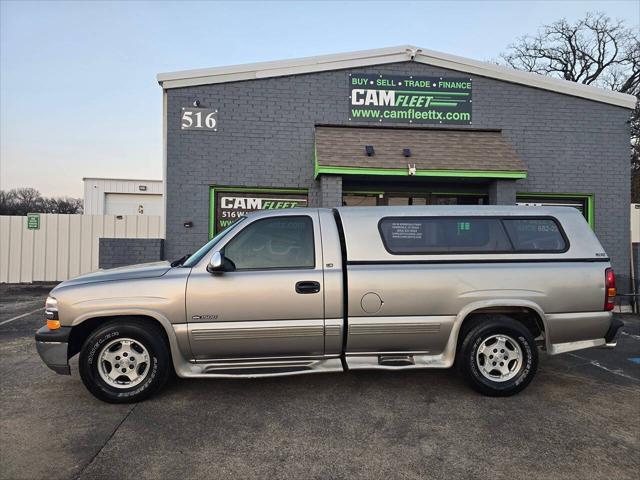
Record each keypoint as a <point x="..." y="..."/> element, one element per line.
<point x="409" y="99"/>
<point x="33" y="221"/>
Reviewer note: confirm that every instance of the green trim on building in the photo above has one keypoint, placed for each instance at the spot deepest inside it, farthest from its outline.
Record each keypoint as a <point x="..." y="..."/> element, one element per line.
<point x="589" y="197"/>
<point x="318" y="169"/>
<point x="591" y="216"/>
<point x="212" y="212"/>
<point x="315" y="161"/>
<point x="212" y="197"/>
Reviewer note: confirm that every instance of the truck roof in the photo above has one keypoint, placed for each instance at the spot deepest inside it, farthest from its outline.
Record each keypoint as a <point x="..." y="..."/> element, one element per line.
<point x="446" y="210"/>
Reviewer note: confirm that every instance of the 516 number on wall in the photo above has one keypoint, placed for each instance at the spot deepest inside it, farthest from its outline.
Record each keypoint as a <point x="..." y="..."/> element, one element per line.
<point x="199" y="119"/>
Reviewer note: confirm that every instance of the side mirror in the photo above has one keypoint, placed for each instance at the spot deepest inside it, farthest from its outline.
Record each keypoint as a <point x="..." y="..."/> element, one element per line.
<point x="216" y="263"/>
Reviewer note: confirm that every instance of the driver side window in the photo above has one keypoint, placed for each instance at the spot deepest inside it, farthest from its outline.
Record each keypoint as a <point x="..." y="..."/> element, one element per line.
<point x="279" y="242"/>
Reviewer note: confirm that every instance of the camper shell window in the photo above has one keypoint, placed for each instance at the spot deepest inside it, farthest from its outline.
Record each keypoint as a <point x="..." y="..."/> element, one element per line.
<point x="480" y="234"/>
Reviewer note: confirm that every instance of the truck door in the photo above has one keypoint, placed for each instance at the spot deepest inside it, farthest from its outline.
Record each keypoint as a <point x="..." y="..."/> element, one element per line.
<point x="271" y="305"/>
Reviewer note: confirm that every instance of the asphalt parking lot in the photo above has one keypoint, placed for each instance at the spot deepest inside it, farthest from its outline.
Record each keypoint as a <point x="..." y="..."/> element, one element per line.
<point x="580" y="418"/>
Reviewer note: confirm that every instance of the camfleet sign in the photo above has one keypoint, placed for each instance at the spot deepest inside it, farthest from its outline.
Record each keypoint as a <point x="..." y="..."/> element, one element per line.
<point x="409" y="99"/>
<point x="229" y="204"/>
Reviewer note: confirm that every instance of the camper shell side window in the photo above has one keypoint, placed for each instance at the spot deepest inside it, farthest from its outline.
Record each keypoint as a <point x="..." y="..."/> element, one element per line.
<point x="472" y="234"/>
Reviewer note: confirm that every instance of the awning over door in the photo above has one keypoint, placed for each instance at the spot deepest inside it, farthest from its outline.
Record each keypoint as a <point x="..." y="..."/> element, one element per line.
<point x="441" y="153"/>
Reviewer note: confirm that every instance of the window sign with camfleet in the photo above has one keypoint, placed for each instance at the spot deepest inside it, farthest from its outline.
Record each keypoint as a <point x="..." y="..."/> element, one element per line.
<point x="228" y="204"/>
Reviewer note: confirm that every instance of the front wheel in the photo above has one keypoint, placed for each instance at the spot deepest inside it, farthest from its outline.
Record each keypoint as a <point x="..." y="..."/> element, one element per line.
<point x="124" y="361"/>
<point x="498" y="356"/>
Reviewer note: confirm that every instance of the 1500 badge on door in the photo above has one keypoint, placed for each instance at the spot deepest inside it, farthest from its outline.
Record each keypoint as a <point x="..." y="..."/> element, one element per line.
<point x="199" y="119"/>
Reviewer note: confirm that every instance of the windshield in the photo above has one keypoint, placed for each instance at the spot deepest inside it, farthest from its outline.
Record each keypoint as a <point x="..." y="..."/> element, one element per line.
<point x="202" y="251"/>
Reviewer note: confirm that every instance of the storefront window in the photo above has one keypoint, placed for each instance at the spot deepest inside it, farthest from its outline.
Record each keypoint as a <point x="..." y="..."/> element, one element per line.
<point x="459" y="199"/>
<point x="394" y="199"/>
<point x="583" y="203"/>
<point x="356" y="199"/>
<point x="359" y="200"/>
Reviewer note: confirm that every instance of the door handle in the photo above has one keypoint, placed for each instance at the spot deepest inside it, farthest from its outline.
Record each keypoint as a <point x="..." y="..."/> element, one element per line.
<point x="307" y="287"/>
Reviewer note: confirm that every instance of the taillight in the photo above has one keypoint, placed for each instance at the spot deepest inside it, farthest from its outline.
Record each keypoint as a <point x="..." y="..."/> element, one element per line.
<point x="609" y="289"/>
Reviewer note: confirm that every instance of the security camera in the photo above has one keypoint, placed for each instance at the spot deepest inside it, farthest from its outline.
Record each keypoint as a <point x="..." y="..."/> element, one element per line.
<point x="412" y="52"/>
<point x="196" y="103"/>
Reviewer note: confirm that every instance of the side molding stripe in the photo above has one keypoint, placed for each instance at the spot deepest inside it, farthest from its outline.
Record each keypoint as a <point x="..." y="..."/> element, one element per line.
<point x="500" y="260"/>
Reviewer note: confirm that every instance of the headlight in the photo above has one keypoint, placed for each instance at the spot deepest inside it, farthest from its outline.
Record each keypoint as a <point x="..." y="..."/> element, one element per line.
<point x="51" y="305"/>
<point x="51" y="312"/>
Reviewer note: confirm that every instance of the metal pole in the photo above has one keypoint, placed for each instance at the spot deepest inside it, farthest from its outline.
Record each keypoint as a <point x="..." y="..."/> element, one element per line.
<point x="634" y="304"/>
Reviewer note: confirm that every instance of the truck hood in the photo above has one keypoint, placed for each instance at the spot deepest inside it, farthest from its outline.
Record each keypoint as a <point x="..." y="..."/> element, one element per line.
<point x="143" y="270"/>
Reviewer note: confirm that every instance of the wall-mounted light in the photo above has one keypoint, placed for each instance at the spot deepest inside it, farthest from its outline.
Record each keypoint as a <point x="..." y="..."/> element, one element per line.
<point x="188" y="224"/>
<point x="369" y="150"/>
<point x="196" y="103"/>
<point x="142" y="188"/>
<point x="406" y="152"/>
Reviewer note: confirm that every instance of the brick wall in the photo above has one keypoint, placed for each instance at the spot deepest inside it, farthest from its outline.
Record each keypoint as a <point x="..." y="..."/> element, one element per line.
<point x="266" y="133"/>
<point x="118" y="252"/>
<point x="330" y="191"/>
<point x="502" y="192"/>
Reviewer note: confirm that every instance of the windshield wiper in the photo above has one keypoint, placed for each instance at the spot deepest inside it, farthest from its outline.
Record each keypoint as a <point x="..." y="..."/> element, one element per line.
<point x="180" y="261"/>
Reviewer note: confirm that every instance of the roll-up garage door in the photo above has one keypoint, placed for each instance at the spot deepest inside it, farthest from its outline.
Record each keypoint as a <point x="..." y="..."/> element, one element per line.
<point x="133" y="204"/>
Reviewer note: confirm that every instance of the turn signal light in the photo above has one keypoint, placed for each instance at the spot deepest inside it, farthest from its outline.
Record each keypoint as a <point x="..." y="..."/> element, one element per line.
<point x="53" y="324"/>
<point x="609" y="288"/>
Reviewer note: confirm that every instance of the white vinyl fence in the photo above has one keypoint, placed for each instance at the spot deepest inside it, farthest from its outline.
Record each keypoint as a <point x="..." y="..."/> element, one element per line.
<point x="635" y="222"/>
<point x="65" y="245"/>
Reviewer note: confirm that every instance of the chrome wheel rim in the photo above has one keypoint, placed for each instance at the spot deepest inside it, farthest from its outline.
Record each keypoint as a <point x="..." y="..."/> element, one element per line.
<point x="499" y="358"/>
<point x="123" y="363"/>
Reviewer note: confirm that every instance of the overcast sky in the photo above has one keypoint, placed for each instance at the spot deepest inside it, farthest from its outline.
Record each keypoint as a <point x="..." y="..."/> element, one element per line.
<point x="78" y="94"/>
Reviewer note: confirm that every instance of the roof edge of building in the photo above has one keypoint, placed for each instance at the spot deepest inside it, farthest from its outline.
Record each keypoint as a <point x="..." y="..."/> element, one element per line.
<point x="379" y="56"/>
<point x="84" y="179"/>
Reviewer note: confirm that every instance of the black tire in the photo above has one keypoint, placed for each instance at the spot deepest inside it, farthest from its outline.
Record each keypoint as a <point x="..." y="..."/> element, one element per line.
<point x="472" y="365"/>
<point x="145" y="334"/>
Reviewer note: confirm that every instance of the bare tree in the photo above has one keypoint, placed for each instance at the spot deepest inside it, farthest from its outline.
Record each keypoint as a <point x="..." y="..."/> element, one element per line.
<point x="595" y="50"/>
<point x="7" y="202"/>
<point x="635" y="149"/>
<point x="27" y="200"/>
<point x="62" y="205"/>
<point x="21" y="201"/>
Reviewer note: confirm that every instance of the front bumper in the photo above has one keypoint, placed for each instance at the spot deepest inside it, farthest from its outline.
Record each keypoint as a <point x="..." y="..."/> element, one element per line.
<point x="53" y="346"/>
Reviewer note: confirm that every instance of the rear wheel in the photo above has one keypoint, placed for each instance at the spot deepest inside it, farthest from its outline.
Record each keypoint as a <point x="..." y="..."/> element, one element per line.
<point x="498" y="356"/>
<point x="124" y="361"/>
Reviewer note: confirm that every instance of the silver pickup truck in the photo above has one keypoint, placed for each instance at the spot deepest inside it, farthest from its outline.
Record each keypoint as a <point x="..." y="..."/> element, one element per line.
<point x="326" y="290"/>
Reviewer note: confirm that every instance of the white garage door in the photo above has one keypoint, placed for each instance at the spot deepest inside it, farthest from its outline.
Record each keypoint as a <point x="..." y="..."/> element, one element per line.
<point x="133" y="204"/>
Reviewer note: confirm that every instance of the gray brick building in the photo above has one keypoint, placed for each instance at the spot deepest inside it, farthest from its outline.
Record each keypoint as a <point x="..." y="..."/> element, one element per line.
<point x="254" y="136"/>
<point x="119" y="252"/>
